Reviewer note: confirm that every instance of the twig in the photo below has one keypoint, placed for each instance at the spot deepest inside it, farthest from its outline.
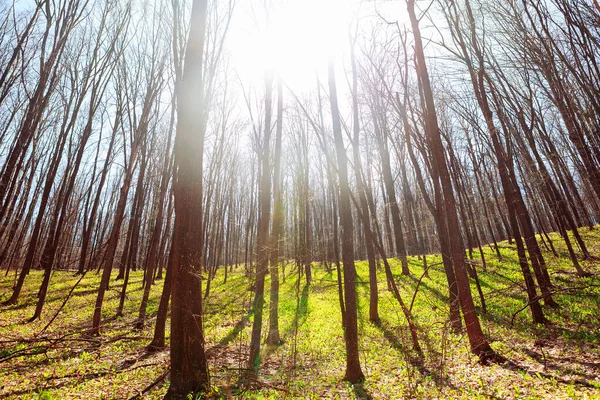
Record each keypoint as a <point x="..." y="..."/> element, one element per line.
<point x="152" y="385"/>
<point x="555" y="291"/>
<point x="412" y="302"/>
<point x="61" y="306"/>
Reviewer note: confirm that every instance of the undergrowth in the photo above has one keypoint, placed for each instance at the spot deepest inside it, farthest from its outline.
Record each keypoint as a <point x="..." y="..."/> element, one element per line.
<point x="558" y="360"/>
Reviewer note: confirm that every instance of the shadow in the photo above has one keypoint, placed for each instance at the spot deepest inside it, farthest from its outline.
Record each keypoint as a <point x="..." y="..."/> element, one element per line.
<point x="31" y="298"/>
<point x="75" y="379"/>
<point x="545" y="360"/>
<point x="301" y="312"/>
<point x="515" y="367"/>
<point x="428" y="287"/>
<point x="429" y="346"/>
<point x="86" y="326"/>
<point x="141" y="355"/>
<point x="299" y="320"/>
<point x="360" y="392"/>
<point x="575" y="336"/>
<point x="416" y="359"/>
<point x="237" y="328"/>
<point x="362" y="292"/>
<point x="70" y="380"/>
<point x="28" y="365"/>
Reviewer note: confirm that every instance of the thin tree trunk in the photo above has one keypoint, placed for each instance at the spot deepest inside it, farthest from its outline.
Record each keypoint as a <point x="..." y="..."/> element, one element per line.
<point x="354" y="372"/>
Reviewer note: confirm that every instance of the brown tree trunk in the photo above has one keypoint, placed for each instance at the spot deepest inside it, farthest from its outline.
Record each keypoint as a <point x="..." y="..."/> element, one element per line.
<point x="189" y="367"/>
<point x="158" y="341"/>
<point x="354" y="372"/>
<point x="478" y="342"/>
<point x="152" y="259"/>
<point x="277" y="229"/>
<point x="262" y="238"/>
<point x="363" y="204"/>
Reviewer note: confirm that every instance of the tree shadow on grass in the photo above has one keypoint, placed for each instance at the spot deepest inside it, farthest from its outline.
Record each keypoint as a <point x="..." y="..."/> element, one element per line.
<point x="416" y="359"/>
<point x="550" y="364"/>
<point x="360" y="392"/>
<point x="70" y="380"/>
<point x="85" y="327"/>
<point x="426" y="339"/>
<point x="524" y="370"/>
<point x="441" y="296"/>
<point x="75" y="379"/>
<point x="300" y="318"/>
<point x="59" y="295"/>
<point x="301" y="311"/>
<point x="518" y="317"/>
<point x="235" y="331"/>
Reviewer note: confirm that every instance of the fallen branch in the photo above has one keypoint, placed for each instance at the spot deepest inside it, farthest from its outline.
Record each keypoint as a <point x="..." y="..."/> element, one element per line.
<point x="412" y="302"/>
<point x="152" y="385"/>
<point x="555" y="291"/>
<point x="62" y="305"/>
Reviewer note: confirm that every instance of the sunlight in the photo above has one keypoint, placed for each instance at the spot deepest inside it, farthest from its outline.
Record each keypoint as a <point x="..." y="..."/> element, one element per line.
<point x="293" y="38"/>
<point x="299" y="199"/>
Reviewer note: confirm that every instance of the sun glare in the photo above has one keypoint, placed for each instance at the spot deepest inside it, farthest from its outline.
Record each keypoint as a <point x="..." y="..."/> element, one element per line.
<point x="294" y="38"/>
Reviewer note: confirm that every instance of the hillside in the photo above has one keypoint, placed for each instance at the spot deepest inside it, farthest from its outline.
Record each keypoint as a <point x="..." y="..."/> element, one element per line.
<point x="559" y="360"/>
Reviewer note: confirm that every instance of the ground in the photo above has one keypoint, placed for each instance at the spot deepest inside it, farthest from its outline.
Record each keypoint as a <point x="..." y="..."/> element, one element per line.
<point x="559" y="360"/>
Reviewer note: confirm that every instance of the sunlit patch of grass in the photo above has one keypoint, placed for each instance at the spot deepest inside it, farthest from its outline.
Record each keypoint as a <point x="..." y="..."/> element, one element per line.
<point x="560" y="360"/>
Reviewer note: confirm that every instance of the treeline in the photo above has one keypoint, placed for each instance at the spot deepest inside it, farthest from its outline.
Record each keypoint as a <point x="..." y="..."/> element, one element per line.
<point x="127" y="143"/>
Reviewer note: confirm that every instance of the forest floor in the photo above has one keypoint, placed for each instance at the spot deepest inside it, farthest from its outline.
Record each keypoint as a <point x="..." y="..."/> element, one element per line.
<point x="559" y="360"/>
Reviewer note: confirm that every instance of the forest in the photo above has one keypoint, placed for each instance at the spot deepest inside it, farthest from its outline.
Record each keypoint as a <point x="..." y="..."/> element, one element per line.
<point x="272" y="199"/>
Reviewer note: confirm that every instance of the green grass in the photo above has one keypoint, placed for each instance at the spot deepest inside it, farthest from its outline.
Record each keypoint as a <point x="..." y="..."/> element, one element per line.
<point x="561" y="360"/>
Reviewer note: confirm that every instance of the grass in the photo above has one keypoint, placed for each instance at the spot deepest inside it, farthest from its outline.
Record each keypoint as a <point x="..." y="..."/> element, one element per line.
<point x="561" y="360"/>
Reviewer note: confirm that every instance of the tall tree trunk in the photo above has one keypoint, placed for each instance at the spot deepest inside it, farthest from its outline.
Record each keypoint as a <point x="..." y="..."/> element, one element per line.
<point x="158" y="340"/>
<point x="478" y="342"/>
<point x="277" y="229"/>
<point x="354" y="372"/>
<point x="189" y="367"/>
<point x="262" y="238"/>
<point x="364" y="205"/>
<point x="152" y="259"/>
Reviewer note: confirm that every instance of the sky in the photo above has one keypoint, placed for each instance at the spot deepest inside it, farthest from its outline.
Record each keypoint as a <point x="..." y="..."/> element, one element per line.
<point x="297" y="38"/>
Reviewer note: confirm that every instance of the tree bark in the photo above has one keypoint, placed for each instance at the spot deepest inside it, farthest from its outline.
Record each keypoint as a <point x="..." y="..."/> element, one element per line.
<point x="354" y="372"/>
